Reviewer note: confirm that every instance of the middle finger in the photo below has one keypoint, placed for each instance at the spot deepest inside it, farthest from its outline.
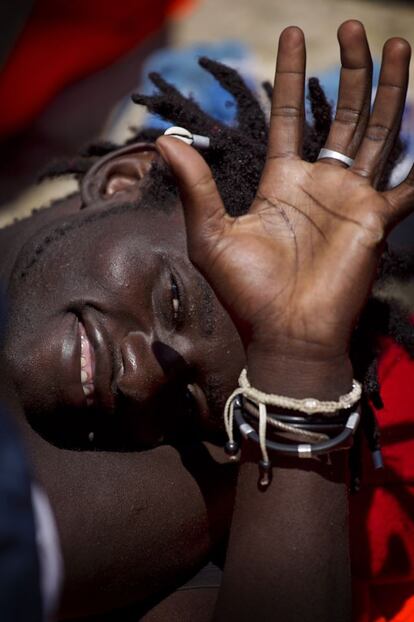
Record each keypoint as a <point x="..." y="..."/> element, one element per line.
<point x="354" y="98"/>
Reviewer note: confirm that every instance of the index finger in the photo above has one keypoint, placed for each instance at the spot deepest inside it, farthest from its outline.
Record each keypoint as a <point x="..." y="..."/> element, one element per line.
<point x="287" y="113"/>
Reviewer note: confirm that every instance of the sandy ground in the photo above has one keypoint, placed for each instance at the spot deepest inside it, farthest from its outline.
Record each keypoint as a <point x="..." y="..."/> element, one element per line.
<point x="259" y="22"/>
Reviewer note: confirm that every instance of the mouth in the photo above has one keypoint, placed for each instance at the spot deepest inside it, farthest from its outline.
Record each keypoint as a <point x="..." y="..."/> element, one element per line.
<point x="97" y="362"/>
<point x="87" y="366"/>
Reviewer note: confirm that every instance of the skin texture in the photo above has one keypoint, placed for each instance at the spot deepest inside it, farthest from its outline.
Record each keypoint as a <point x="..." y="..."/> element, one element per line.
<point x="319" y="228"/>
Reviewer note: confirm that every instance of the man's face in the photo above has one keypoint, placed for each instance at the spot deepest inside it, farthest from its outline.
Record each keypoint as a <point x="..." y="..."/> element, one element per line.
<point x="110" y="323"/>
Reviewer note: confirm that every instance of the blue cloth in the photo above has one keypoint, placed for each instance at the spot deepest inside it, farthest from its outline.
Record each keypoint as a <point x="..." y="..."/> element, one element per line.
<point x="180" y="68"/>
<point x="20" y="598"/>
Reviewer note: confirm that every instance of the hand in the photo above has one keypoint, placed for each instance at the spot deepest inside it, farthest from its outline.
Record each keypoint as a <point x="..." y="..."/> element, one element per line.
<point x="295" y="271"/>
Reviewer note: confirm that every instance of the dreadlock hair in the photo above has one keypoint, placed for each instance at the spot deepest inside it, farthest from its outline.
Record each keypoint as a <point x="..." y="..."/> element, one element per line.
<point x="236" y="156"/>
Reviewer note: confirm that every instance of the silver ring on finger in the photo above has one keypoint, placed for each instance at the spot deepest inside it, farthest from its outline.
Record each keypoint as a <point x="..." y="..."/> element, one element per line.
<point x="335" y="155"/>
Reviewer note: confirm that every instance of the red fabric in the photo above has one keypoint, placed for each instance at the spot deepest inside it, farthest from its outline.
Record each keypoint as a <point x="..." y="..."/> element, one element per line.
<point x="382" y="514"/>
<point x="67" y="40"/>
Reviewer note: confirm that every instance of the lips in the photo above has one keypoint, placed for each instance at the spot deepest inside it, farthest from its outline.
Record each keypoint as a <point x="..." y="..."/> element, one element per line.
<point x="87" y="365"/>
<point x="84" y="362"/>
<point x="99" y="365"/>
<point x="67" y="363"/>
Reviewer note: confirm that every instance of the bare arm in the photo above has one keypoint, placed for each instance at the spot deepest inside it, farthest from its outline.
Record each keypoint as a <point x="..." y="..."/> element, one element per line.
<point x="288" y="555"/>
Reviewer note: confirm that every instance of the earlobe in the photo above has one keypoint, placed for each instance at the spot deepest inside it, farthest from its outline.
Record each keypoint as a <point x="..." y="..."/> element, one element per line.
<point x="119" y="172"/>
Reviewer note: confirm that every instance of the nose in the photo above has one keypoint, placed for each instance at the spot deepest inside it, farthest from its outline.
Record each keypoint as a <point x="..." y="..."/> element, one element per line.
<point x="148" y="365"/>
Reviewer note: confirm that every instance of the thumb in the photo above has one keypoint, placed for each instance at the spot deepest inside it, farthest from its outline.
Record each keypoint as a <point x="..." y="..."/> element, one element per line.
<point x="205" y="216"/>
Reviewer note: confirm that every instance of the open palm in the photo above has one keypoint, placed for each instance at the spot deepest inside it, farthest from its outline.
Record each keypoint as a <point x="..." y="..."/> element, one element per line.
<point x="295" y="271"/>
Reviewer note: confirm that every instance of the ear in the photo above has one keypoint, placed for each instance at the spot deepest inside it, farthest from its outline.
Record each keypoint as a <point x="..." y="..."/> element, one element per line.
<point x="119" y="172"/>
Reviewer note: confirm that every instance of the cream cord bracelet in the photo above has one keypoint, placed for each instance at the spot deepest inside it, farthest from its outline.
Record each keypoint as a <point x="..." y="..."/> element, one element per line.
<point x="308" y="405"/>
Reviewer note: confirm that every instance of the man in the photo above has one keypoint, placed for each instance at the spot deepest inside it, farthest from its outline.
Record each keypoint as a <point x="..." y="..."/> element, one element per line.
<point x="111" y="327"/>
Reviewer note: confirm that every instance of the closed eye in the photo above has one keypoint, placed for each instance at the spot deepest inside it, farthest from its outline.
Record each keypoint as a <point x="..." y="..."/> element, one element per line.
<point x="176" y="301"/>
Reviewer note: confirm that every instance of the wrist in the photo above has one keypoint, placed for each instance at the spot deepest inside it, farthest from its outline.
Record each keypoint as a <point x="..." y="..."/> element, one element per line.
<point x="297" y="374"/>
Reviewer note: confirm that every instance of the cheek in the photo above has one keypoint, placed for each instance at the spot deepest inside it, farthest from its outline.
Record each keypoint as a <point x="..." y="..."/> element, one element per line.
<point x="116" y="269"/>
<point x="31" y="354"/>
<point x="119" y="268"/>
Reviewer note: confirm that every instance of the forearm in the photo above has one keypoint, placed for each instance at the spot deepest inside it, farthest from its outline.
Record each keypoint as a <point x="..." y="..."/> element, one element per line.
<point x="288" y="556"/>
